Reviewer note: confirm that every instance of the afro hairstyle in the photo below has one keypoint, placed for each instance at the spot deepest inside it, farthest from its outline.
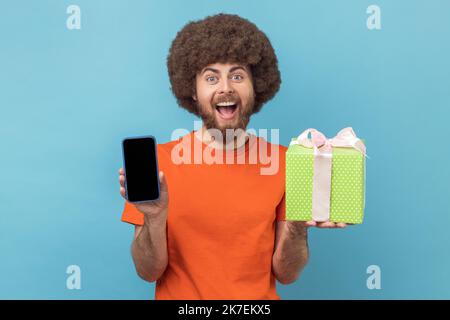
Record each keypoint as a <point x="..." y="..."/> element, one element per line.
<point x="221" y="38"/>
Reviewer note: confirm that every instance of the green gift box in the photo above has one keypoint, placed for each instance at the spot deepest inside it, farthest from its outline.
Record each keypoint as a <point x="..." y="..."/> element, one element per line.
<point x="346" y="188"/>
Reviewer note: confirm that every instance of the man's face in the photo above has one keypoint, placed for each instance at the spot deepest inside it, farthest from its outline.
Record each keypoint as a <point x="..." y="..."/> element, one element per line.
<point x="225" y="96"/>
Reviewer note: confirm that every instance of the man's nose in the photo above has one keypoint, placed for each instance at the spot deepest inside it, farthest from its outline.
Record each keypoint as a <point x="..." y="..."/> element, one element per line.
<point x="226" y="87"/>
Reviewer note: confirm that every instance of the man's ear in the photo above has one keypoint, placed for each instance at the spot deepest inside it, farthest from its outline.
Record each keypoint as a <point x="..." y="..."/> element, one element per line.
<point x="194" y="96"/>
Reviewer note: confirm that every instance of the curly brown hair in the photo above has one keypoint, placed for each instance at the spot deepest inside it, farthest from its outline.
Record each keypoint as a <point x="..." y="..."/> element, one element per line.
<point x="222" y="38"/>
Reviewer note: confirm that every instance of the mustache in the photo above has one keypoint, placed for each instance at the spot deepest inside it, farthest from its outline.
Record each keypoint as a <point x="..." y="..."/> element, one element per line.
<point x="227" y="98"/>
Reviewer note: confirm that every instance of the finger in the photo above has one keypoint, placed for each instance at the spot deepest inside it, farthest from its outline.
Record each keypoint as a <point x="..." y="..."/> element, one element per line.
<point x="162" y="181"/>
<point x="326" y="224"/>
<point x="341" y="225"/>
<point x="122" y="181"/>
<point x="121" y="171"/>
<point x="310" y="223"/>
<point x="122" y="192"/>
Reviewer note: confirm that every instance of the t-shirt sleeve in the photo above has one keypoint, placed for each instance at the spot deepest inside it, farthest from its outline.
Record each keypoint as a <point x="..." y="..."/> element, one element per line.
<point x="132" y="215"/>
<point x="281" y="209"/>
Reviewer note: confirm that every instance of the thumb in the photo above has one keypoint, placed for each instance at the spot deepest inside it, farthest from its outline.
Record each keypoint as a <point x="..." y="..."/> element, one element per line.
<point x="162" y="181"/>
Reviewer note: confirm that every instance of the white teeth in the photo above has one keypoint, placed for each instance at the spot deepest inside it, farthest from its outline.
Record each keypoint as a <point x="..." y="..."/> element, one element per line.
<point x="225" y="104"/>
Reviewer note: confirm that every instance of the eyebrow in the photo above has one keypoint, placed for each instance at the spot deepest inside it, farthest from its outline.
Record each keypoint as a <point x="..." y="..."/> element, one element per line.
<point x="217" y="71"/>
<point x="237" y="68"/>
<point x="210" y="69"/>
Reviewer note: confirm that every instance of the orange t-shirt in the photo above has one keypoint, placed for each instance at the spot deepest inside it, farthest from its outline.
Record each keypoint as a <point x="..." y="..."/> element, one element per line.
<point x="221" y="220"/>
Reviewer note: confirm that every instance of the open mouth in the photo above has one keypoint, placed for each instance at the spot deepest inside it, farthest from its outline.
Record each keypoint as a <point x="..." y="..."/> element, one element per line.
<point x="226" y="110"/>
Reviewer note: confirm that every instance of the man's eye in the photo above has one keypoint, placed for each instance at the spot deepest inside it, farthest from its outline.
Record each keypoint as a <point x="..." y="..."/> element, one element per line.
<point x="211" y="79"/>
<point x="237" y="77"/>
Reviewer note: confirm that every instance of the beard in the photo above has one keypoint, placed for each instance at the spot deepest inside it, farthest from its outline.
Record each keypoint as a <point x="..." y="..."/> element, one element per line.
<point x="209" y="119"/>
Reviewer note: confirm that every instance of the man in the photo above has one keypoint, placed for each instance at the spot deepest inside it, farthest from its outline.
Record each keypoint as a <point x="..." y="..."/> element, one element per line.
<point x="218" y="230"/>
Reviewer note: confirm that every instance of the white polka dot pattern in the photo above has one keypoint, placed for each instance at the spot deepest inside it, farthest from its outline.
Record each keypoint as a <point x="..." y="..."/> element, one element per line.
<point x="347" y="184"/>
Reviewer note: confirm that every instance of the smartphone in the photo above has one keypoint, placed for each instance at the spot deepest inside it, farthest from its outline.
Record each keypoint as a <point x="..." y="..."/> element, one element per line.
<point x="140" y="163"/>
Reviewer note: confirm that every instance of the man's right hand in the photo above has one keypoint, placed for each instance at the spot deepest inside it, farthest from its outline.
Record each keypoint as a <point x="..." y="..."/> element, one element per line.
<point x="156" y="209"/>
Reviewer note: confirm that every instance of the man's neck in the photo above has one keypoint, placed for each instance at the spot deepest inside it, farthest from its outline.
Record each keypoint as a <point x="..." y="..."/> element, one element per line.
<point x="238" y="141"/>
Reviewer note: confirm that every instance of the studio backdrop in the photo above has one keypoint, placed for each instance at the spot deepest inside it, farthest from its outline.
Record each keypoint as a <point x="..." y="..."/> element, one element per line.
<point x="76" y="77"/>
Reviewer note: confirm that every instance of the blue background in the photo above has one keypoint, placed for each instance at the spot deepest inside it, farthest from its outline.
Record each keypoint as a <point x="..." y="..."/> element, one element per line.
<point x="68" y="97"/>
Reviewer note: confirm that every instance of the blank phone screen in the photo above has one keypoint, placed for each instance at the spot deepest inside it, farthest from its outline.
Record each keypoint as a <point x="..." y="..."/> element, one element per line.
<point x="141" y="173"/>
